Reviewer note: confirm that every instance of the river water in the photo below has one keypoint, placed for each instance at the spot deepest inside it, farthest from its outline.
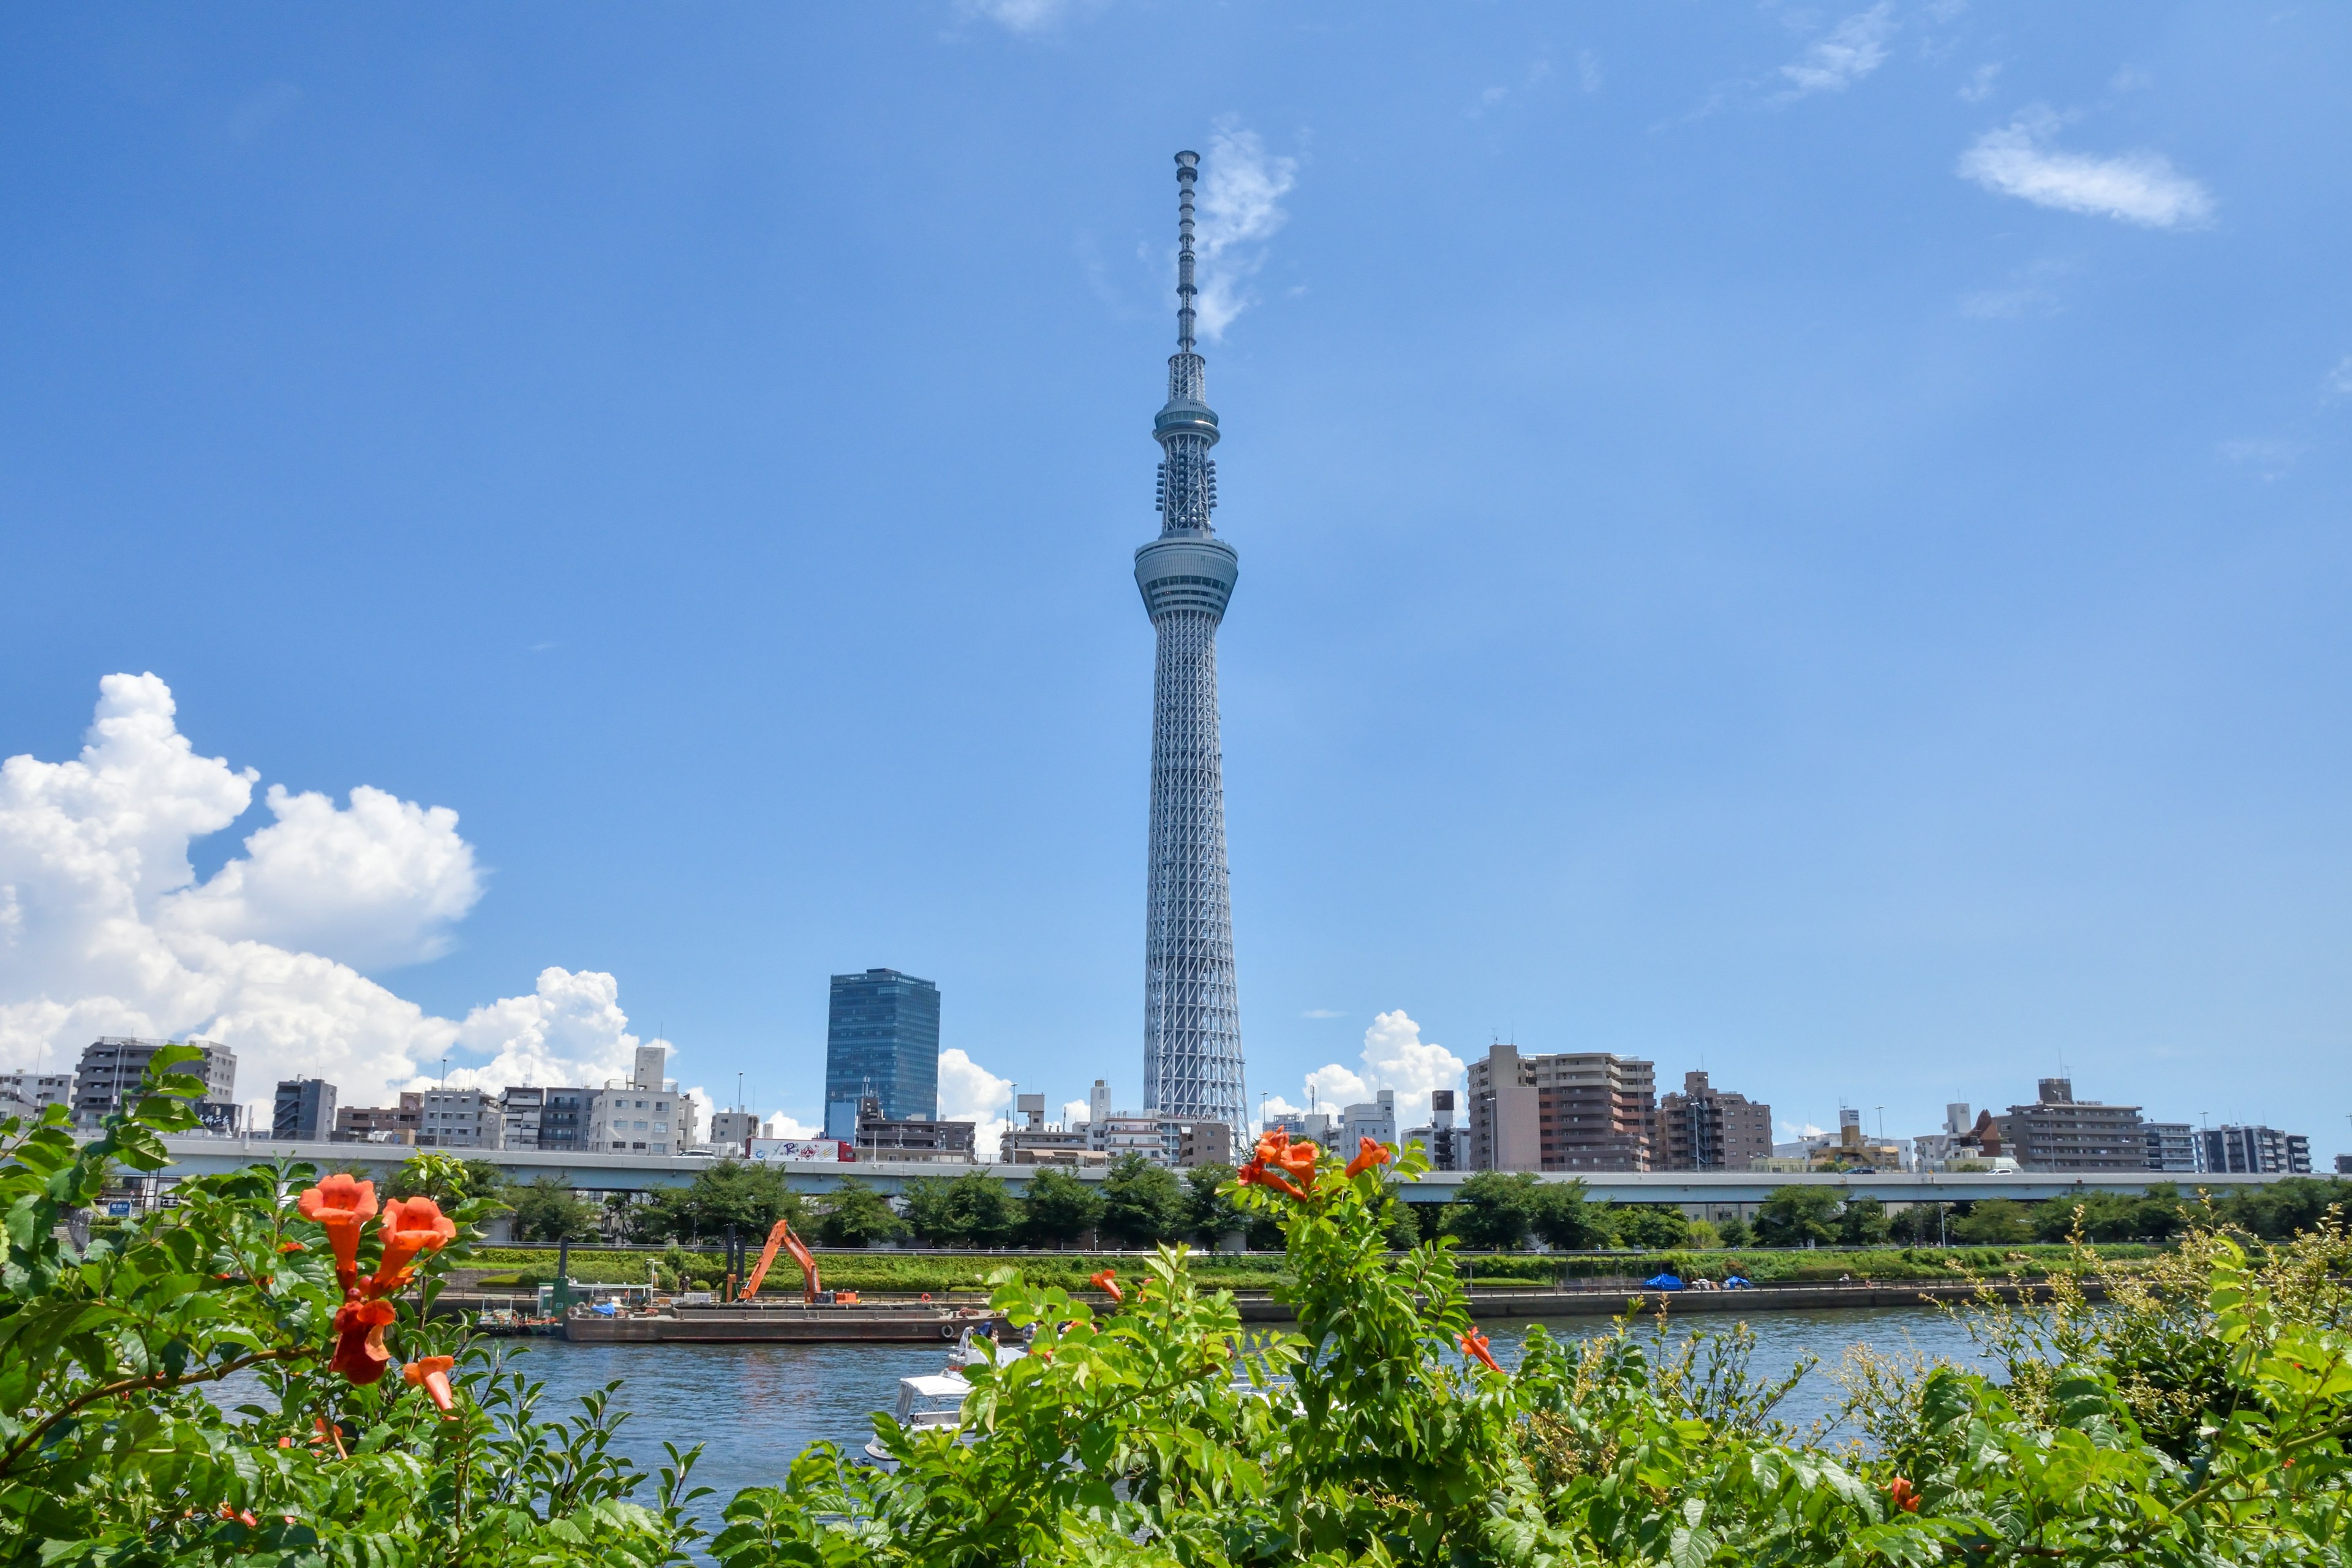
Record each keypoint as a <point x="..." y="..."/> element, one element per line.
<point x="755" y="1407"/>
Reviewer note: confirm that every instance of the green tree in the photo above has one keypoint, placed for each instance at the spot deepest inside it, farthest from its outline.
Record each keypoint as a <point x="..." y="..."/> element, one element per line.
<point x="1794" y="1217"/>
<point x="1058" y="1208"/>
<point x="857" y="1215"/>
<point x="1565" y="1217"/>
<point x="547" y="1209"/>
<point x="447" y="1179"/>
<point x="1863" y="1223"/>
<point x="1495" y="1209"/>
<point x="1143" y="1203"/>
<point x="1653" y="1226"/>
<point x="751" y="1198"/>
<point x="1996" y="1222"/>
<point x="1736" y="1231"/>
<point x="974" y="1209"/>
<point x="1210" y="1215"/>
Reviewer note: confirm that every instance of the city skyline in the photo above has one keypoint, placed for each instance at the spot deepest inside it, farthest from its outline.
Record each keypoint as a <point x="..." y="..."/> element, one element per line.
<point x="1804" y="545"/>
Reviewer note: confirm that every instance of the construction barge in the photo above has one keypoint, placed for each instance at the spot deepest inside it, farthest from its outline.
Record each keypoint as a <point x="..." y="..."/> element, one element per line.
<point x="784" y="1324"/>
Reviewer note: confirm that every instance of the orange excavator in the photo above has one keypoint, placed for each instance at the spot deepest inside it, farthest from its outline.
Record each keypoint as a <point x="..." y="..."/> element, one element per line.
<point x="782" y="1236"/>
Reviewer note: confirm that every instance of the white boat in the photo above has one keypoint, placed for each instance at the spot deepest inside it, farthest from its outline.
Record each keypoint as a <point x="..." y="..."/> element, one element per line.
<point x="933" y="1399"/>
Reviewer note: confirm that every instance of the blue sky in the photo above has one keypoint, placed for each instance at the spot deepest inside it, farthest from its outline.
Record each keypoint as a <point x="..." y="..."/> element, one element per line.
<point x="1808" y="541"/>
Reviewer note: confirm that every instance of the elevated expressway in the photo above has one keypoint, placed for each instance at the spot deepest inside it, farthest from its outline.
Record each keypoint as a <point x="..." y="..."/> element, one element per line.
<point x="1712" y="1194"/>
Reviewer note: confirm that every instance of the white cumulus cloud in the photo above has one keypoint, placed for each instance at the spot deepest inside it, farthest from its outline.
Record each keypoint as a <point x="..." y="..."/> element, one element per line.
<point x="2138" y="187"/>
<point x="105" y="930"/>
<point x="1242" y="187"/>
<point x="969" y="1092"/>
<point x="1845" y="53"/>
<point x="376" y="884"/>
<point x="1394" y="1057"/>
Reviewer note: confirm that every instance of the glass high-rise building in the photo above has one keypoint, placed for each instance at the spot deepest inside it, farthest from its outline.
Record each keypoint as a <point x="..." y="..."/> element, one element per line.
<point x="881" y="1038"/>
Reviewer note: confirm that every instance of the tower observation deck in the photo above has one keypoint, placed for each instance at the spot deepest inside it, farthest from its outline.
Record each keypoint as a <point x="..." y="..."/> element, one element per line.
<point x="1192" y="1011"/>
<point x="1191" y="1007"/>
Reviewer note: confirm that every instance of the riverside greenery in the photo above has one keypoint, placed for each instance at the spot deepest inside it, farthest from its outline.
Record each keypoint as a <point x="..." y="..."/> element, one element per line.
<point x="2199" y="1418"/>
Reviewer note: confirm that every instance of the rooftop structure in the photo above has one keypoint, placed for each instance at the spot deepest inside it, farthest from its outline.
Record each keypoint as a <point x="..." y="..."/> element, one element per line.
<point x="1191" y="1007"/>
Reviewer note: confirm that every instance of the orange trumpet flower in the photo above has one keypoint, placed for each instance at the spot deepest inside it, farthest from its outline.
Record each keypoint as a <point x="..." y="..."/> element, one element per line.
<point x="1473" y="1344"/>
<point x="431" y="1373"/>
<point x="1107" y="1281"/>
<point x="360" y="1354"/>
<point x="341" y="1204"/>
<point x="1370" y="1152"/>
<point x="411" y="1225"/>
<point x="1256" y="1174"/>
<point x="1903" y="1495"/>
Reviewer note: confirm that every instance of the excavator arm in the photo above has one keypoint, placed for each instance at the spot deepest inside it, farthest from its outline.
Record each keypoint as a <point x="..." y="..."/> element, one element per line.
<point x="782" y="1237"/>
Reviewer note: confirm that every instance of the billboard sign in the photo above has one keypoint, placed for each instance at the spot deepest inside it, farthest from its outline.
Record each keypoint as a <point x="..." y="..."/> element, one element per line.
<point x="824" y="1151"/>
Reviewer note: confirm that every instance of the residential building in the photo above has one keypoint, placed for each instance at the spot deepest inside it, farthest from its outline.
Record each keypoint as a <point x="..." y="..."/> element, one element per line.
<point x="1202" y="1143"/>
<point x="2344" y="1164"/>
<point x="1124" y="1132"/>
<point x="112" y="1066"/>
<point x="733" y="1129"/>
<point x="644" y="1113"/>
<point x="27" y="1094"/>
<point x="1440" y="1139"/>
<point x="1707" y="1129"/>
<point x="881" y="1041"/>
<point x="1374" y="1118"/>
<point x="522" y="1111"/>
<point x="564" y="1117"/>
<point x="1850" y="1150"/>
<point x="1031" y="1140"/>
<point x="2059" y="1133"/>
<point x="1315" y="1126"/>
<point x="881" y="1137"/>
<point x="380" y="1123"/>
<point x="2255" y="1150"/>
<point x="460" y="1118"/>
<point x="304" y="1110"/>
<point x="2171" y="1146"/>
<point x="1577" y="1110"/>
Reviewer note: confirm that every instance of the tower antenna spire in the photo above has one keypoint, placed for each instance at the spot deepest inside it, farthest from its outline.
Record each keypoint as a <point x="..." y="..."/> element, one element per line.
<point x="1192" y="1069"/>
<point x="1188" y="169"/>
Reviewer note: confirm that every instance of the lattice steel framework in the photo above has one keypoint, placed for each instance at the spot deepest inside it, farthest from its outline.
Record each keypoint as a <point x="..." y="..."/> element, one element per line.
<point x="1191" y="1010"/>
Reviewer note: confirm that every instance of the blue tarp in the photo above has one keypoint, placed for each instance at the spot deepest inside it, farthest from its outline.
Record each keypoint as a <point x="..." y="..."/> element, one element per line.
<point x="1734" y="1282"/>
<point x="1663" y="1282"/>
<point x="607" y="1310"/>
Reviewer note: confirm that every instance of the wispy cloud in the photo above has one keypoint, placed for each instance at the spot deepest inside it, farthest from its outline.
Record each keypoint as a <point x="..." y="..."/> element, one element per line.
<point x="2138" y="187"/>
<point x="1242" y="187"/>
<point x="1980" y="85"/>
<point x="2338" y="381"/>
<point x="2266" y="456"/>
<point x="1844" y="55"/>
<point x="2030" y="291"/>
<point x="1322" y="1013"/>
<point x="1026" y="15"/>
<point x="1588" y="70"/>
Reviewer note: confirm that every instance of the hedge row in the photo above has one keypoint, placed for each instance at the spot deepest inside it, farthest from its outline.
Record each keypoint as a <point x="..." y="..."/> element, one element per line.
<point x="527" y="1267"/>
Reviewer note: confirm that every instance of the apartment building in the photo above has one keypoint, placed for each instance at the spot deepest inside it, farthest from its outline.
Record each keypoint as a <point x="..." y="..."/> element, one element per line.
<point x="1707" y="1129"/>
<point x="1575" y="1111"/>
<point x="460" y="1118"/>
<point x="2059" y="1133"/>
<point x="111" y="1066"/>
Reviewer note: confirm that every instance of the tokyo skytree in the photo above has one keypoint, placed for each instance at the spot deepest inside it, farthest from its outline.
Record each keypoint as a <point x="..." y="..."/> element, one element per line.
<point x="1191" y="1012"/>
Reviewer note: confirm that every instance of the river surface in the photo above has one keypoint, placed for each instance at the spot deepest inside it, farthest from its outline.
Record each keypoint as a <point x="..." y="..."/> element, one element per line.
<point x="755" y="1407"/>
